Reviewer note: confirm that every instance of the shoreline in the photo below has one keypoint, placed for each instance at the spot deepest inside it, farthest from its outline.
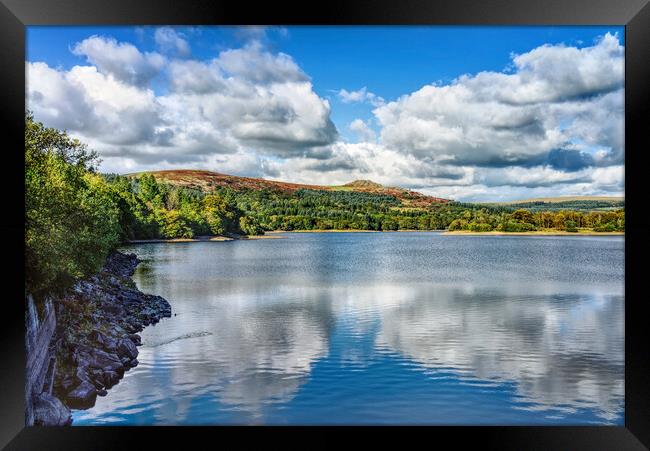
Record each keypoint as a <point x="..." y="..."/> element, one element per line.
<point x="349" y="231"/>
<point x="273" y="234"/>
<point x="96" y="338"/>
<point x="533" y="233"/>
<point x="201" y="239"/>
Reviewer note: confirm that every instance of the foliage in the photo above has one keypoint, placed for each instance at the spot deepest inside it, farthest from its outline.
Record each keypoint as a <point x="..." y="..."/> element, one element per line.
<point x="575" y="205"/>
<point x="349" y="210"/>
<point x="74" y="217"/>
<point x="71" y="221"/>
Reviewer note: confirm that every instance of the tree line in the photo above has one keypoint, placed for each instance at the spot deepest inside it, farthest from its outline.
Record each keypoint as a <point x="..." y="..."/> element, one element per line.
<point x="349" y="210"/>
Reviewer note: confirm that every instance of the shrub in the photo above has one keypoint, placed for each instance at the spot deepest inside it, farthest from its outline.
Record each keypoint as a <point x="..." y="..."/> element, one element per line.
<point x="609" y="227"/>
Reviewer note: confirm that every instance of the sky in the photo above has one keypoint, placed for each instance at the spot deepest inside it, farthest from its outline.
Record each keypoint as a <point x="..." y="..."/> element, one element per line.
<point x="466" y="113"/>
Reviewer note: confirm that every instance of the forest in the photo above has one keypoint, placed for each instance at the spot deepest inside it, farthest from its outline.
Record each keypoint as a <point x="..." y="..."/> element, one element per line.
<point x="74" y="216"/>
<point x="342" y="210"/>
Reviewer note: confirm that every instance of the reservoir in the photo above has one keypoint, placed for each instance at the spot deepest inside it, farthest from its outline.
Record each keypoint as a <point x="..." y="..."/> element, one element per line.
<point x="379" y="328"/>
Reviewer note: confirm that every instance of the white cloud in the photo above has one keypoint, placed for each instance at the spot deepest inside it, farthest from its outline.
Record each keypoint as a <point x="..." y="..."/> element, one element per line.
<point x="121" y="60"/>
<point x="556" y="95"/>
<point x="363" y="130"/>
<point x="170" y="41"/>
<point x="361" y="95"/>
<point x="245" y="101"/>
<point x="92" y="104"/>
<point x="254" y="64"/>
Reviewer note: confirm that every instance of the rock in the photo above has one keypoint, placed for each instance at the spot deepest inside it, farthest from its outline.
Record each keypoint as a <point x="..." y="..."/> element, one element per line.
<point x="107" y="343"/>
<point x="136" y="339"/>
<point x="50" y="411"/>
<point x="82" y="397"/>
<point x="110" y="378"/>
<point x="105" y="361"/>
<point x="67" y="383"/>
<point x="96" y="378"/>
<point x="112" y="308"/>
<point x="81" y="375"/>
<point x="115" y="311"/>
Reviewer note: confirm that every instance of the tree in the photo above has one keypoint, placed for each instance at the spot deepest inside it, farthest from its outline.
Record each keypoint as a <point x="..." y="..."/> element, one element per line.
<point x="71" y="220"/>
<point x="174" y="225"/>
<point x="249" y="226"/>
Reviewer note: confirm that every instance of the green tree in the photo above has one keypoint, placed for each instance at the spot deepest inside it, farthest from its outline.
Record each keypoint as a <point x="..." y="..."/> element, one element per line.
<point x="71" y="220"/>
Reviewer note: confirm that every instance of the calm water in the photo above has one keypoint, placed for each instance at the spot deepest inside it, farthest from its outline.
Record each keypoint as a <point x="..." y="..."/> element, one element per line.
<point x="379" y="328"/>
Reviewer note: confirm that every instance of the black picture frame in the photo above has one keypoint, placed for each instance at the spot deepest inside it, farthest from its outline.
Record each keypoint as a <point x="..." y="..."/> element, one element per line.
<point x="15" y="15"/>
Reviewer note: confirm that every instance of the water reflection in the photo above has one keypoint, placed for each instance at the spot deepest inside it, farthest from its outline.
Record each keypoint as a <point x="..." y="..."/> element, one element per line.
<point x="374" y="328"/>
<point x="564" y="352"/>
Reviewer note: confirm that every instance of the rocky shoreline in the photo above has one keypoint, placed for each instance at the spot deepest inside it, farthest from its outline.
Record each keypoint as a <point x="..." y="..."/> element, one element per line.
<point x="96" y="338"/>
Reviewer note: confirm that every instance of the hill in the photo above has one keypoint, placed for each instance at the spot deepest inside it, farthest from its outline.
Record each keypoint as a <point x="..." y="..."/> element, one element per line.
<point x="577" y="203"/>
<point x="565" y="199"/>
<point x="208" y="180"/>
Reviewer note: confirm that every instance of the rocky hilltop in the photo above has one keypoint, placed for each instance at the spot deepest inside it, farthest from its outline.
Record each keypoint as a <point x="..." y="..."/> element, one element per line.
<point x="208" y="180"/>
<point x="95" y="340"/>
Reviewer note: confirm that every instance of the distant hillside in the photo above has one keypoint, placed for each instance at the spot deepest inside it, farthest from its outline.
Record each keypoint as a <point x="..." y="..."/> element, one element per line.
<point x="566" y="199"/>
<point x="207" y="180"/>
<point x="578" y="203"/>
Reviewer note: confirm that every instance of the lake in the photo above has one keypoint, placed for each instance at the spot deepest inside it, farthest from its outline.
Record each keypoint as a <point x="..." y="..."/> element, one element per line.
<point x="376" y="328"/>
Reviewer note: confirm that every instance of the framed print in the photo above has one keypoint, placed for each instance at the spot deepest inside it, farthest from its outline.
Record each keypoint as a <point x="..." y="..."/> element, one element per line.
<point x="424" y="214"/>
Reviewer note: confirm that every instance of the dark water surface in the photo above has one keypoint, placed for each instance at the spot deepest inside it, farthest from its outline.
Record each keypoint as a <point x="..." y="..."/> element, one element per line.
<point x="374" y="328"/>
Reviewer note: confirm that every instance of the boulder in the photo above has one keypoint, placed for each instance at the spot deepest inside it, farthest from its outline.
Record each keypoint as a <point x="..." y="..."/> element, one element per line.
<point x="68" y="382"/>
<point x="82" y="397"/>
<point x="110" y="378"/>
<point x="50" y="411"/>
<point x="80" y="375"/>
<point x="105" y="361"/>
<point x="136" y="339"/>
<point x="106" y="342"/>
<point x="126" y="348"/>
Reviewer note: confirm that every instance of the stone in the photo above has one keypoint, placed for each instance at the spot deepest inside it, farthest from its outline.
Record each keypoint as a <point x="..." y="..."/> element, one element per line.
<point x="67" y="383"/>
<point x="97" y="361"/>
<point x="106" y="342"/>
<point x="81" y="375"/>
<point x="126" y="348"/>
<point x="104" y="360"/>
<point x="50" y="411"/>
<point x="110" y="378"/>
<point x="82" y="397"/>
<point x="136" y="339"/>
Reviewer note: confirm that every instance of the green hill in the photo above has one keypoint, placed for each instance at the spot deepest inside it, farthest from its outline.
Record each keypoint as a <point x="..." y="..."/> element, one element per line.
<point x="576" y="203"/>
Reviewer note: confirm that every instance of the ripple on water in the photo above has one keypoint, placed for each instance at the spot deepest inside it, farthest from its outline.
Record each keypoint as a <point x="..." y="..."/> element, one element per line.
<point x="412" y="328"/>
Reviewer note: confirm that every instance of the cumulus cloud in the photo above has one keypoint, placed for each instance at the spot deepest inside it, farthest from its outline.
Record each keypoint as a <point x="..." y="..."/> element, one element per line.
<point x="253" y="63"/>
<point x="171" y="41"/>
<point x="120" y="60"/>
<point x="245" y="100"/>
<point x="556" y="95"/>
<point x="94" y="105"/>
<point x="363" y="130"/>
<point x="359" y="96"/>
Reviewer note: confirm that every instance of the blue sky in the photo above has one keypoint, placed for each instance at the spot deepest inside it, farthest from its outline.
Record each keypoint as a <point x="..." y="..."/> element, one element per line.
<point x="390" y="62"/>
